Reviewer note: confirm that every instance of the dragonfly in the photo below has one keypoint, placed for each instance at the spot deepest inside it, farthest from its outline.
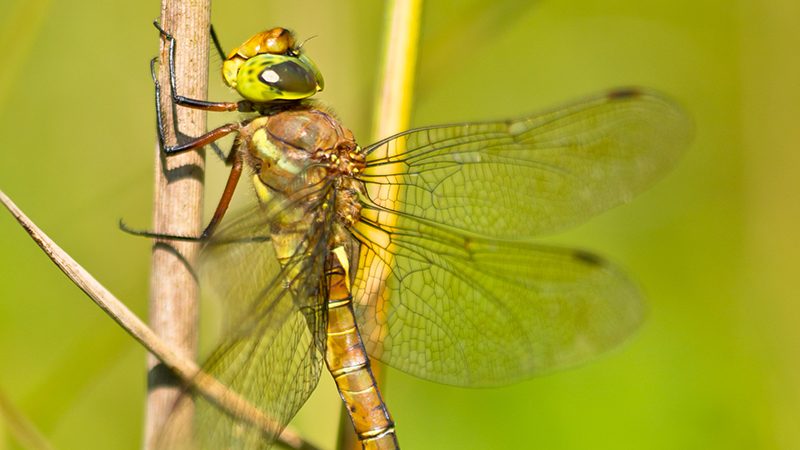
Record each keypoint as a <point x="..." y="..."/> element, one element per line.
<point x="415" y="250"/>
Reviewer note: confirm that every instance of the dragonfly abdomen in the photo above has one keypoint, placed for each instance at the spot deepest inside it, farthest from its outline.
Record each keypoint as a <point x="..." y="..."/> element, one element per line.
<point x="349" y="364"/>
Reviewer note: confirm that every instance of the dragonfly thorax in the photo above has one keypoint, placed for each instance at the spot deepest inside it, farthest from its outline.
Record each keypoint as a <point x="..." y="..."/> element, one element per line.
<point x="294" y="149"/>
<point x="306" y="161"/>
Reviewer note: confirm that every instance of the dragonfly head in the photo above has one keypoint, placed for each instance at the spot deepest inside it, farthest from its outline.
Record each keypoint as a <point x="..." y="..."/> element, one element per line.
<point x="271" y="66"/>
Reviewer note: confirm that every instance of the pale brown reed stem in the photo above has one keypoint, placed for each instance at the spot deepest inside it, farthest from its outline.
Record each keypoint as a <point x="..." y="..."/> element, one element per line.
<point x="177" y="210"/>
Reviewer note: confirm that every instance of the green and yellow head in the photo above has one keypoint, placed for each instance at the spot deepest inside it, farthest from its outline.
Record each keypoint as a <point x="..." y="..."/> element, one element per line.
<point x="271" y="66"/>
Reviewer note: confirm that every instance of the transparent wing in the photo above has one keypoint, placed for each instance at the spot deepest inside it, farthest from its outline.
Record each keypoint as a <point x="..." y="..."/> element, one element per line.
<point x="477" y="312"/>
<point x="239" y="263"/>
<point x="439" y="301"/>
<point x="271" y="351"/>
<point x="537" y="174"/>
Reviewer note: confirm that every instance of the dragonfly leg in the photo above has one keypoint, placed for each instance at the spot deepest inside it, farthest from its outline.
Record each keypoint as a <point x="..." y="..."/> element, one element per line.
<point x="235" y="159"/>
<point x="152" y="235"/>
<point x="209" y="137"/>
<point x="181" y="100"/>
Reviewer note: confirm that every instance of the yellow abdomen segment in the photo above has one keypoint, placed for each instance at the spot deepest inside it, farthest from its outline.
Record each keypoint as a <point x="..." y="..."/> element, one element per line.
<point x="348" y="363"/>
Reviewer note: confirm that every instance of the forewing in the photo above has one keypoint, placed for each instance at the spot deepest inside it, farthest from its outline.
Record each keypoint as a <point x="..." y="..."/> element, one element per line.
<point x="537" y="174"/>
<point x="271" y="352"/>
<point x="475" y="312"/>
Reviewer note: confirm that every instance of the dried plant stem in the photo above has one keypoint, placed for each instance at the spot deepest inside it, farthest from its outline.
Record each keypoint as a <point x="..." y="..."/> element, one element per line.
<point x="186" y="369"/>
<point x="392" y="110"/>
<point x="177" y="209"/>
<point x="391" y="115"/>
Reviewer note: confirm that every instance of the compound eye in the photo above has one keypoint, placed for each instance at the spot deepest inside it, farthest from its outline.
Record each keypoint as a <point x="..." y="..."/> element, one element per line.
<point x="265" y="78"/>
<point x="289" y="77"/>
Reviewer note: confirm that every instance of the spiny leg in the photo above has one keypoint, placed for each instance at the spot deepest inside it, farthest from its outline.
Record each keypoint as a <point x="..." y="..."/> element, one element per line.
<point x="153" y="235"/>
<point x="204" y="105"/>
<point x="236" y="162"/>
<point x="235" y="158"/>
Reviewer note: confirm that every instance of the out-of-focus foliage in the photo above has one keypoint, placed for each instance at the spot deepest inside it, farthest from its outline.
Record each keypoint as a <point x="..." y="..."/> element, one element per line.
<point x="714" y="244"/>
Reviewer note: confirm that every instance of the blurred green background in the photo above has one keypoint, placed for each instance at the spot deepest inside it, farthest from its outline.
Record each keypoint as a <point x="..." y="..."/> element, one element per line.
<point x="714" y="245"/>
